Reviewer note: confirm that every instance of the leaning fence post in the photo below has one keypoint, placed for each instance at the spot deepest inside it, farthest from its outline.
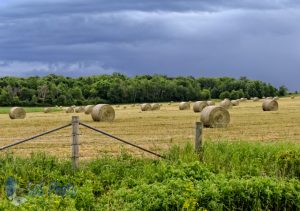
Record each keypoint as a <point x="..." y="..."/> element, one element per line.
<point x="198" y="137"/>
<point x="75" y="142"/>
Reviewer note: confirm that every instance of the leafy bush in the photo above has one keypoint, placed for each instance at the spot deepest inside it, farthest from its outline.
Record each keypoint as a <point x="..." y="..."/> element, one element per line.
<point x="225" y="176"/>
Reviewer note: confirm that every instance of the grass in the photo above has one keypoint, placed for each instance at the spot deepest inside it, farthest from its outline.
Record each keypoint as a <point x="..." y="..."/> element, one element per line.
<point x="5" y="110"/>
<point x="225" y="176"/>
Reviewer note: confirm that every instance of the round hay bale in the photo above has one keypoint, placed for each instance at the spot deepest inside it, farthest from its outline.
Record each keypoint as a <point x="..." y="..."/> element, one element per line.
<point x="88" y="109"/>
<point x="210" y="103"/>
<point x="155" y="106"/>
<point x="243" y="99"/>
<point x="292" y="97"/>
<point x="47" y="110"/>
<point x="270" y="105"/>
<point x="199" y="105"/>
<point x="103" y="112"/>
<point x="276" y="98"/>
<point x="255" y="99"/>
<point x="184" y="106"/>
<point x="79" y="109"/>
<point x="215" y="117"/>
<point x="69" y="110"/>
<point x="269" y="98"/>
<point x="146" y="107"/>
<point x="17" y="113"/>
<point x="226" y="104"/>
<point x="235" y="102"/>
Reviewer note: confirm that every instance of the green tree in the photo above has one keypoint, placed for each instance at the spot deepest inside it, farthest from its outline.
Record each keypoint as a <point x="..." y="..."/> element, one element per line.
<point x="225" y="94"/>
<point x="282" y="91"/>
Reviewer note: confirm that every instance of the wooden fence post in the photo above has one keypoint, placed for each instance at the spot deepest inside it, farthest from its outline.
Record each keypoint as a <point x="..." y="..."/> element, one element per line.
<point x="75" y="142"/>
<point x="198" y="137"/>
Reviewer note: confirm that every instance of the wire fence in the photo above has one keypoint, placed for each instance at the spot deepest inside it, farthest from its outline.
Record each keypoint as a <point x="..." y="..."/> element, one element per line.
<point x="75" y="137"/>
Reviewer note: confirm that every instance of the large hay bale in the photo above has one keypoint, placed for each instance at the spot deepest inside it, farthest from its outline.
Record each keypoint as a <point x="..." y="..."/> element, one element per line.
<point x="79" y="109"/>
<point x="47" y="110"/>
<point x="17" y="113"/>
<point x="292" y="97"/>
<point x="215" y="117"/>
<point x="270" y="105"/>
<point x="88" y="109"/>
<point x="210" y="103"/>
<point x="255" y="99"/>
<point x="155" y="106"/>
<point x="226" y="104"/>
<point x="184" y="106"/>
<point x="235" y="102"/>
<point x="103" y="112"/>
<point x="243" y="99"/>
<point x="199" y="106"/>
<point x="276" y="98"/>
<point x="146" y="107"/>
<point x="69" y="110"/>
<point x="269" y="98"/>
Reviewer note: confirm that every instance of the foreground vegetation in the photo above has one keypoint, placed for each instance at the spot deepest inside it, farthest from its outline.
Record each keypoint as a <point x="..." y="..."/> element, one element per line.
<point x="225" y="176"/>
<point x="118" y="88"/>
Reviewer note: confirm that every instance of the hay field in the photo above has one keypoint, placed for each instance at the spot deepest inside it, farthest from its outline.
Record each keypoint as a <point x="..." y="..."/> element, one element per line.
<point x="154" y="130"/>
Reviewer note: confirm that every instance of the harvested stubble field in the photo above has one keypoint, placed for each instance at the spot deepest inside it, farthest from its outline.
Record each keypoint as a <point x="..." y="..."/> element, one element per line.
<point x="154" y="130"/>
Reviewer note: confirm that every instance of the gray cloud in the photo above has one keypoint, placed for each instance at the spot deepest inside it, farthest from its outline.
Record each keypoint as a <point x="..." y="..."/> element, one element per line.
<point x="258" y="39"/>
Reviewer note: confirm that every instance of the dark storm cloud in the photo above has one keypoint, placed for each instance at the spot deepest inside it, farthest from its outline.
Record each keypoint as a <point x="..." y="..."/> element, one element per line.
<point x="258" y="39"/>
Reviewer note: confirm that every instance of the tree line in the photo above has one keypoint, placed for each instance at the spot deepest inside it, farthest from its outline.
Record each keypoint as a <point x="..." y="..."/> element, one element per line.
<point x="54" y="90"/>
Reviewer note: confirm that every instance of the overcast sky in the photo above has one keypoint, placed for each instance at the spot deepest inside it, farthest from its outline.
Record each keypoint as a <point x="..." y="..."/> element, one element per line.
<point x="259" y="39"/>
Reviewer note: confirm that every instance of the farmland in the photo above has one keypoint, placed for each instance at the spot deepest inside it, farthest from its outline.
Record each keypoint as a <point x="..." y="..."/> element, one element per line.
<point x="155" y="130"/>
<point x="253" y="164"/>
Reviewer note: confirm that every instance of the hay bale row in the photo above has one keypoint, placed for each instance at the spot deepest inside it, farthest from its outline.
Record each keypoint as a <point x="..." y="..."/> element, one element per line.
<point x="184" y="106"/>
<point x="270" y="105"/>
<point x="199" y="106"/>
<point x="88" y="109"/>
<point x="79" y="109"/>
<point x="226" y="103"/>
<point x="155" y="106"/>
<point x="47" y="110"/>
<point x="150" y="107"/>
<point x="215" y="117"/>
<point x="210" y="103"/>
<point x="103" y="112"/>
<point x="255" y="99"/>
<point x="235" y="102"/>
<point x="17" y="113"/>
<point x="69" y="110"/>
<point x="146" y="107"/>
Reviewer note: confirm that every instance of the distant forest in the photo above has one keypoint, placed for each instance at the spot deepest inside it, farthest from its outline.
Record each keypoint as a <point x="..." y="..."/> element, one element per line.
<point x="118" y="88"/>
